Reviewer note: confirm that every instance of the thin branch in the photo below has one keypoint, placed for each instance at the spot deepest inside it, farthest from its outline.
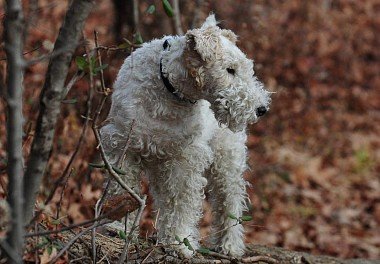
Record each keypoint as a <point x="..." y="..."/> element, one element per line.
<point x="109" y="168"/>
<point x="100" y="62"/>
<point x="25" y="52"/>
<point x="136" y="15"/>
<point x="48" y="56"/>
<point x="44" y="233"/>
<point x="75" y="238"/>
<point x="13" y="36"/>
<point x="197" y="12"/>
<point x="62" y="193"/>
<point x="51" y="96"/>
<point x="177" y="18"/>
<point x="134" y="226"/>
<point x="80" y="141"/>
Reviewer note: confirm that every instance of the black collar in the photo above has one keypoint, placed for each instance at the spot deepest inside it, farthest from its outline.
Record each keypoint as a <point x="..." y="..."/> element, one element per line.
<point x="167" y="83"/>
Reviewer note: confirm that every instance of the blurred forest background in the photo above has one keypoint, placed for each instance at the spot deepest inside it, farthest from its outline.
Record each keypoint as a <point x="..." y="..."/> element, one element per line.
<point x="315" y="157"/>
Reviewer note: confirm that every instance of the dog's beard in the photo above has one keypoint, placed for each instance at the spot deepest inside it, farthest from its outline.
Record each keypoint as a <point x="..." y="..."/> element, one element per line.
<point x="237" y="106"/>
<point x="235" y="117"/>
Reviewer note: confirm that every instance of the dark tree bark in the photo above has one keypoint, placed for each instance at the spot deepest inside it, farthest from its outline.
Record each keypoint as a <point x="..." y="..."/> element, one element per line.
<point x="13" y="36"/>
<point x="51" y="97"/>
<point x="124" y="23"/>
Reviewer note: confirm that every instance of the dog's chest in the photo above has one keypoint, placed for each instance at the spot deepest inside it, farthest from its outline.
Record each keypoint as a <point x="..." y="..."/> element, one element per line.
<point x="166" y="138"/>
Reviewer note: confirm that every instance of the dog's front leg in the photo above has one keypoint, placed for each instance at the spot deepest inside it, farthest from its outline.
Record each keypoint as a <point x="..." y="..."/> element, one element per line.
<point x="177" y="186"/>
<point x="226" y="187"/>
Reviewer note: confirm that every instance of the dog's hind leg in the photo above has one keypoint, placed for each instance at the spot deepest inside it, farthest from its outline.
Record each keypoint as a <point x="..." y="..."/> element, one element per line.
<point x="226" y="187"/>
<point x="114" y="144"/>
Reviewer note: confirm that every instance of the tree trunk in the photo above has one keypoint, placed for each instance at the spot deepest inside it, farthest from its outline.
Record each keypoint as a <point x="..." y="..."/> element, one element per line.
<point x="13" y="36"/>
<point x="51" y="97"/>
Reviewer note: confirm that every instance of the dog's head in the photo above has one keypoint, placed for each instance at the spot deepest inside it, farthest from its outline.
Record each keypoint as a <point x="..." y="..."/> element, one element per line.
<point x="224" y="75"/>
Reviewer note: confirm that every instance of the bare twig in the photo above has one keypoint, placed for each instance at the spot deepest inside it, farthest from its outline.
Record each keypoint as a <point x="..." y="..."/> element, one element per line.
<point x="177" y="18"/>
<point x="25" y="52"/>
<point x="63" y="177"/>
<point x="255" y="259"/>
<point x="48" y="56"/>
<point x="62" y="192"/>
<point x="72" y="241"/>
<point x="100" y="61"/>
<point x="44" y="233"/>
<point x="122" y="157"/>
<point x="134" y="226"/>
<point x="197" y="12"/>
<point x="111" y="171"/>
<point x="136" y="15"/>
<point x="51" y="96"/>
<point x="13" y="36"/>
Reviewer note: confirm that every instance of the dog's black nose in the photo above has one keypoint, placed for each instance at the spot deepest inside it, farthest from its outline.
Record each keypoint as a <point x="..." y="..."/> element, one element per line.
<point x="261" y="111"/>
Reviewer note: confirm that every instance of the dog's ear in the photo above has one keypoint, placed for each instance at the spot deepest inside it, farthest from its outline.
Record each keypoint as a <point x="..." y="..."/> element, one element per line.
<point x="229" y="35"/>
<point x="210" y="22"/>
<point x="203" y="43"/>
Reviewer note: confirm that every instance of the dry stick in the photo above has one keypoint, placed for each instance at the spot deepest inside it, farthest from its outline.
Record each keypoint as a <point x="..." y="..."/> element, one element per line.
<point x="177" y="18"/>
<point x="68" y="228"/>
<point x="48" y="56"/>
<point x="100" y="61"/>
<point x="24" y="53"/>
<point x="62" y="192"/>
<point x="13" y="37"/>
<point x="136" y="16"/>
<point x="78" y="75"/>
<point x="51" y="96"/>
<point x="72" y="241"/>
<point x="197" y="11"/>
<point x="93" y="230"/>
<point x="140" y="200"/>
<point x="259" y="259"/>
<point x="123" y="155"/>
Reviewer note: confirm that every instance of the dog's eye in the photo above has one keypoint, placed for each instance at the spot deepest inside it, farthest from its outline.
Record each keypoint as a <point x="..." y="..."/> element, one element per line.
<point x="231" y="71"/>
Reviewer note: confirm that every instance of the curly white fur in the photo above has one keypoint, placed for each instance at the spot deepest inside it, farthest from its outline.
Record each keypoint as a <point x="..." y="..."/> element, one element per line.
<point x="186" y="148"/>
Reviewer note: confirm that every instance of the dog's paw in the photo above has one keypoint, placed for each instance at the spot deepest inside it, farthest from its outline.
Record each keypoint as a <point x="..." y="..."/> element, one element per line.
<point x="180" y="251"/>
<point x="231" y="248"/>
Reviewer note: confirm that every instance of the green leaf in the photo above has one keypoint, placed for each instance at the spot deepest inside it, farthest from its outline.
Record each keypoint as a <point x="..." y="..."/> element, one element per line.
<point x="124" y="45"/>
<point x="94" y="165"/>
<point x="50" y="249"/>
<point x="168" y="8"/>
<point x="178" y="239"/>
<point x="102" y="67"/>
<point x="246" y="218"/>
<point x="44" y="241"/>
<point x="232" y="216"/>
<point x="187" y="243"/>
<point x="70" y="101"/>
<point x="151" y="9"/>
<point x="119" y="171"/>
<point x="81" y="62"/>
<point x="93" y="65"/>
<point x="203" y="250"/>
<point x="55" y="221"/>
<point x="138" y="38"/>
<point x="122" y="234"/>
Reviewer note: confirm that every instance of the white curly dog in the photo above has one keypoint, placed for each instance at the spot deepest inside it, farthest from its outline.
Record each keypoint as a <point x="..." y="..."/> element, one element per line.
<point x="189" y="99"/>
